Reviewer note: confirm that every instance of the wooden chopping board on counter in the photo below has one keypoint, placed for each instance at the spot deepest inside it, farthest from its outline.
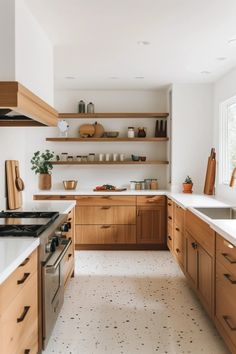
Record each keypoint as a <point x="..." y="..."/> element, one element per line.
<point x="210" y="174"/>
<point x="14" y="184"/>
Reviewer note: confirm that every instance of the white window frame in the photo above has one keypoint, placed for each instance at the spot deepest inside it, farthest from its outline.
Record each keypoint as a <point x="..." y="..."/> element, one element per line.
<point x="223" y="139"/>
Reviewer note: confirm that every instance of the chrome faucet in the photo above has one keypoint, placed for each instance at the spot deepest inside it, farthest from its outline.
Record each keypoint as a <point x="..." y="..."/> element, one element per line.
<point x="233" y="177"/>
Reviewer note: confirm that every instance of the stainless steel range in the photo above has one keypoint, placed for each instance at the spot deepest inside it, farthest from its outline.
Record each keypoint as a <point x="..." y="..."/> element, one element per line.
<point x="50" y="227"/>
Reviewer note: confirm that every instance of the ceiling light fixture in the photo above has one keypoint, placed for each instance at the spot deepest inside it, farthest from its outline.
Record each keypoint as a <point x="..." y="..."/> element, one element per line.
<point x="139" y="77"/>
<point x="70" y="77"/>
<point x="114" y="77"/>
<point x="143" y="42"/>
<point x="221" y="58"/>
<point x="205" y="72"/>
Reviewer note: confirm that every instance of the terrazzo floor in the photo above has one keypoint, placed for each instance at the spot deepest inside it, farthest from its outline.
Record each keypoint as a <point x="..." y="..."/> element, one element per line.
<point x="128" y="302"/>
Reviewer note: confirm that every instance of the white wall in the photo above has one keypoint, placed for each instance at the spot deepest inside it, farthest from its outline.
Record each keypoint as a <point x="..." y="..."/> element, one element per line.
<point x="7" y="27"/>
<point x="224" y="89"/>
<point x="33" y="54"/>
<point x="192" y="136"/>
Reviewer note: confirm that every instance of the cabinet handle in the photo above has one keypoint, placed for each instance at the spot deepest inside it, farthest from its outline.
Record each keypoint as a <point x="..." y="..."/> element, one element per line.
<point x="169" y="204"/>
<point x="105" y="226"/>
<point x="194" y="245"/>
<point x="27" y="351"/>
<point x="24" y="262"/>
<point x="169" y="238"/>
<point x="177" y="250"/>
<point x="69" y="255"/>
<point x="62" y="196"/>
<point x="228" y="276"/>
<point x="22" y="317"/>
<point x="169" y="217"/>
<point x="228" y="258"/>
<point x="105" y="207"/>
<point x="23" y="279"/>
<point x="106" y="197"/>
<point x="177" y="229"/>
<point x="227" y="321"/>
<point x="70" y="219"/>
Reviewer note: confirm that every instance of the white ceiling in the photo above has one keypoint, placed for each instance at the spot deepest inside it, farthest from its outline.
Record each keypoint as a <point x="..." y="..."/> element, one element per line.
<point x="96" y="40"/>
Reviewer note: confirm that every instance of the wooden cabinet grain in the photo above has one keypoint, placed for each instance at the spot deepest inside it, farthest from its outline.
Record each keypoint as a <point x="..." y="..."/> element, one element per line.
<point x="170" y="215"/>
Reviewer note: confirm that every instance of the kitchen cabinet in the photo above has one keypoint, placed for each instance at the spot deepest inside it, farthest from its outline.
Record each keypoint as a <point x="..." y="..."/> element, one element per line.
<point x="225" y="291"/>
<point x="170" y="214"/>
<point x="69" y="258"/>
<point x="199" y="267"/>
<point x="178" y="234"/>
<point x="19" y="309"/>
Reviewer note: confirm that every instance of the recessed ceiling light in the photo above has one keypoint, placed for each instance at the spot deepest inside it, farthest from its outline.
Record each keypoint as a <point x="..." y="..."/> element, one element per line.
<point x="143" y="42"/>
<point x="139" y="77"/>
<point x="221" y="58"/>
<point x="70" y="77"/>
<point x="205" y="72"/>
<point x="232" y="41"/>
<point x="114" y="77"/>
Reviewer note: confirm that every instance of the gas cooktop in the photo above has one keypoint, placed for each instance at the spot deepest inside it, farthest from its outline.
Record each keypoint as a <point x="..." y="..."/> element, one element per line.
<point x="24" y="223"/>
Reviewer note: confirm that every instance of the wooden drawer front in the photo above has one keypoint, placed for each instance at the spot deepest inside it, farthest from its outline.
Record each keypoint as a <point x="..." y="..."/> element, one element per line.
<point x="17" y="280"/>
<point x="106" y="215"/>
<point x="19" y="322"/>
<point x="71" y="220"/>
<point x="105" y="200"/>
<point x="178" y="245"/>
<point x="170" y="209"/>
<point x="179" y="217"/>
<point x="105" y="234"/>
<point x="225" y="302"/>
<point x="54" y="197"/>
<point x="201" y="231"/>
<point x="68" y="264"/>
<point x="226" y="254"/>
<point x="151" y="199"/>
<point x="170" y="235"/>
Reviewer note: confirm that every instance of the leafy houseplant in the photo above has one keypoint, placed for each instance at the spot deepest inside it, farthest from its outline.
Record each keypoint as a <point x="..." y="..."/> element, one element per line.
<point x="188" y="185"/>
<point x="42" y="165"/>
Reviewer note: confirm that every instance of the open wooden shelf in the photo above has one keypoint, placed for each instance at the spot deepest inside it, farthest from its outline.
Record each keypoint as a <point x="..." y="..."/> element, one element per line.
<point x="128" y="162"/>
<point x="117" y="140"/>
<point x="112" y="115"/>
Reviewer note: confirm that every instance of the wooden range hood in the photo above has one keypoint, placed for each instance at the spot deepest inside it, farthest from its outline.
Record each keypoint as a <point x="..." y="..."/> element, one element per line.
<point x="19" y="107"/>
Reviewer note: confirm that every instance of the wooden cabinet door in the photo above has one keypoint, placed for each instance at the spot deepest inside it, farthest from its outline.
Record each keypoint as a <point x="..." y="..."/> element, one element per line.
<point x="151" y="225"/>
<point x="205" y="278"/>
<point x="191" y="259"/>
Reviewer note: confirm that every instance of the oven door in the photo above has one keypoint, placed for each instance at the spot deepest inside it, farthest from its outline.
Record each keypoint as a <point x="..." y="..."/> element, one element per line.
<point x="53" y="288"/>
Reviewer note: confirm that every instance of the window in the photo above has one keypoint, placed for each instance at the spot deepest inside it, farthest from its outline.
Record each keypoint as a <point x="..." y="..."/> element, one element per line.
<point x="228" y="139"/>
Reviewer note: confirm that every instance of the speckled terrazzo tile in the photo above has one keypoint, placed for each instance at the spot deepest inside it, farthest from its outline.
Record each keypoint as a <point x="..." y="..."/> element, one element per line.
<point x="127" y="302"/>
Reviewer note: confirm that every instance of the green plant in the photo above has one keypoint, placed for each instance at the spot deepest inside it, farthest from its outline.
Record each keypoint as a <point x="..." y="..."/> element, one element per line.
<point x="41" y="162"/>
<point x="188" y="180"/>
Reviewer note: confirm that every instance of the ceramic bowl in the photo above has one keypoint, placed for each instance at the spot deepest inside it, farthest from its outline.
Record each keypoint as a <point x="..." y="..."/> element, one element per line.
<point x="112" y="134"/>
<point x="70" y="185"/>
<point x="135" y="157"/>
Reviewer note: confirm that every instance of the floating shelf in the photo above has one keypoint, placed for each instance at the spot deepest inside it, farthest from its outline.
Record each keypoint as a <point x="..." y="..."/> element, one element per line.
<point x="117" y="140"/>
<point x="111" y="163"/>
<point x="112" y="115"/>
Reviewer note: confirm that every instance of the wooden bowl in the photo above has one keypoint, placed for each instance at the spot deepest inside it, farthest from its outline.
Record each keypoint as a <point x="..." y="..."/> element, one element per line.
<point x="70" y="185"/>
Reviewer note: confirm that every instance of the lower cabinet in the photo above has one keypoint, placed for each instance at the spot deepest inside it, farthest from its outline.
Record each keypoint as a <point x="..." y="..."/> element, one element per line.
<point x="19" y="309"/>
<point x="151" y="225"/>
<point x="105" y="234"/>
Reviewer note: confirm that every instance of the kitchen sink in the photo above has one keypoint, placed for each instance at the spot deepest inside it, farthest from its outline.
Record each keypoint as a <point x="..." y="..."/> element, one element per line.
<point x="218" y="213"/>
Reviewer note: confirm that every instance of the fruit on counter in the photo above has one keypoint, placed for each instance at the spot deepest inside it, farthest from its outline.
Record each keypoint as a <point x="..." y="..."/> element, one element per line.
<point x="105" y="187"/>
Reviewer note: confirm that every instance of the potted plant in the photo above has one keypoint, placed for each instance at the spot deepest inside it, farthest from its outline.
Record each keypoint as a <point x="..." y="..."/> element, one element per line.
<point x="188" y="185"/>
<point x="42" y="165"/>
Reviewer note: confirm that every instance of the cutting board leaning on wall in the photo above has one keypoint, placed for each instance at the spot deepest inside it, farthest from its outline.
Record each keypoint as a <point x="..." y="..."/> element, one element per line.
<point x="14" y="184"/>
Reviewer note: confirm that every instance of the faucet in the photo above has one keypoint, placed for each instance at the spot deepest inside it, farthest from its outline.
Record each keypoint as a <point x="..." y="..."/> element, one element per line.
<point x="233" y="177"/>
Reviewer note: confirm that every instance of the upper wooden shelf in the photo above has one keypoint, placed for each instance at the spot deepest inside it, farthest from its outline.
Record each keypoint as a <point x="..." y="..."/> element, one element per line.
<point x="113" y="115"/>
<point x="126" y="162"/>
<point x="75" y="139"/>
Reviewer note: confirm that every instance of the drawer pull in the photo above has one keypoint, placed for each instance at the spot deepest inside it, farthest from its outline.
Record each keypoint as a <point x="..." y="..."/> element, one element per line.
<point x="194" y="245"/>
<point x="24" y="262"/>
<point x="70" y="219"/>
<point x="228" y="258"/>
<point x="228" y="276"/>
<point x="177" y="229"/>
<point x="177" y="250"/>
<point x="106" y="197"/>
<point x="169" y="238"/>
<point x="70" y="255"/>
<point x="105" y="207"/>
<point x="227" y="321"/>
<point x="169" y="217"/>
<point x="105" y="226"/>
<point x="23" y="279"/>
<point x="62" y="196"/>
<point x="27" y="351"/>
<point x="22" y="317"/>
<point x="169" y="204"/>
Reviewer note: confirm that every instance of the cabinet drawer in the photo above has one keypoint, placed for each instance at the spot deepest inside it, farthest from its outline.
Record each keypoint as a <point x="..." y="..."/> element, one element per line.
<point x="106" y="214"/>
<point x="68" y="263"/>
<point x="170" y="236"/>
<point x="17" y="280"/>
<point x="179" y="217"/>
<point x="170" y="209"/>
<point x="105" y="234"/>
<point x="226" y="254"/>
<point x="201" y="231"/>
<point x="178" y="245"/>
<point x="151" y="199"/>
<point x="105" y="200"/>
<point x="19" y="321"/>
<point x="225" y="302"/>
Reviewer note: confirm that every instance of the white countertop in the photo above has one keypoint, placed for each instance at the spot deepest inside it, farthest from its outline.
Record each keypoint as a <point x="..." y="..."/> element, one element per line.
<point x="13" y="251"/>
<point x="91" y="192"/>
<point x="63" y="207"/>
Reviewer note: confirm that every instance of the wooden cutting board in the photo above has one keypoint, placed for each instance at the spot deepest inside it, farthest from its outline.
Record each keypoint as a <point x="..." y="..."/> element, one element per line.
<point x="14" y="196"/>
<point x="210" y="174"/>
<point x="111" y="190"/>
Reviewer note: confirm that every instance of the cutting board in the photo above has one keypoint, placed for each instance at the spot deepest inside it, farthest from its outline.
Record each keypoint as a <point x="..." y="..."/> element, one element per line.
<point x="210" y="174"/>
<point x="14" y="196"/>
<point x="111" y="190"/>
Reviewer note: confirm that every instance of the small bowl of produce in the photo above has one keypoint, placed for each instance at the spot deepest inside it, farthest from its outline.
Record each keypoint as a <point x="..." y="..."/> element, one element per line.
<point x="70" y="185"/>
<point x="135" y="157"/>
<point x="111" y="134"/>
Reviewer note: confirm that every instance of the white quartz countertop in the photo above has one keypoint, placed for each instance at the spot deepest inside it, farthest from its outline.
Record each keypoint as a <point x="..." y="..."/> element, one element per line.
<point x="13" y="251"/>
<point x="91" y="192"/>
<point x="63" y="207"/>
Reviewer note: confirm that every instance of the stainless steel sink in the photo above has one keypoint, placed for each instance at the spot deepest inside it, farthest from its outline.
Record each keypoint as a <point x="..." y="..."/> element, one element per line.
<point x="218" y="213"/>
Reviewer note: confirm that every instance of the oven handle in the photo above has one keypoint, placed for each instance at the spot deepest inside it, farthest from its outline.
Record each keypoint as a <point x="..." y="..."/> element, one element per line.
<point x="52" y="268"/>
